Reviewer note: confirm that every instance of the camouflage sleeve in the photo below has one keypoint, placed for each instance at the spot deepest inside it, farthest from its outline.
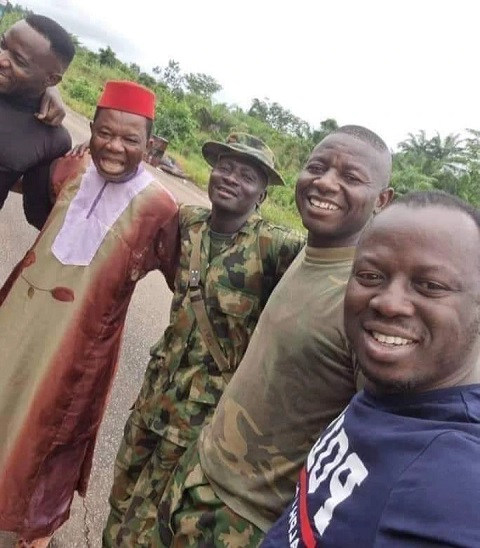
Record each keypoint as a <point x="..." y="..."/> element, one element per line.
<point x="168" y="248"/>
<point x="188" y="214"/>
<point x="286" y="245"/>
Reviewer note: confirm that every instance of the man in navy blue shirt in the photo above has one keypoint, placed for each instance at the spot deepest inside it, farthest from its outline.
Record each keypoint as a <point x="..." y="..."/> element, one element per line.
<point x="400" y="466"/>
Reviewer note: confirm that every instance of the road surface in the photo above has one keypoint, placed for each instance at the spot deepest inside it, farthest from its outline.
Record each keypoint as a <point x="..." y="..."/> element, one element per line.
<point x="146" y="320"/>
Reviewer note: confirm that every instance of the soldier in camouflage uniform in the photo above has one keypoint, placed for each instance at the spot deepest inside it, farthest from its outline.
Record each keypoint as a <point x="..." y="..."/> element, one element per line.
<point x="242" y="258"/>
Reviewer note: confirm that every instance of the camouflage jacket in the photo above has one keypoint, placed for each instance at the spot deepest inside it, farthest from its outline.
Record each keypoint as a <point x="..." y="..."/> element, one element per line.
<point x="185" y="383"/>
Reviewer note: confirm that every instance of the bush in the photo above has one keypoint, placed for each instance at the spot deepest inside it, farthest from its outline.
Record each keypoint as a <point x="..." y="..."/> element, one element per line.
<point x="174" y="120"/>
<point x="82" y="90"/>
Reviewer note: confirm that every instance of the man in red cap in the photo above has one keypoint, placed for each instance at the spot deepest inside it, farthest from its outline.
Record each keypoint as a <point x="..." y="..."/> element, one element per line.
<point x="63" y="308"/>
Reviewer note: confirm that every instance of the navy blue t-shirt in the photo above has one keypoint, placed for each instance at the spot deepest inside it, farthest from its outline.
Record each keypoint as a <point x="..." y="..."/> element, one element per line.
<point x="396" y="471"/>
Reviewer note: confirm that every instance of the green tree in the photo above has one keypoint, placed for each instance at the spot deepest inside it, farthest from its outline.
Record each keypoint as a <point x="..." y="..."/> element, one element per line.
<point x="202" y="84"/>
<point x="11" y="16"/>
<point x="407" y="177"/>
<point x="259" y="109"/>
<point x="217" y="119"/>
<point x="326" y="127"/>
<point x="440" y="161"/>
<point x="172" y="77"/>
<point x="134" y="68"/>
<point x="75" y="40"/>
<point x="107" y="57"/>
<point x="279" y="118"/>
<point x="82" y="90"/>
<point x="147" y="80"/>
<point x="174" y="120"/>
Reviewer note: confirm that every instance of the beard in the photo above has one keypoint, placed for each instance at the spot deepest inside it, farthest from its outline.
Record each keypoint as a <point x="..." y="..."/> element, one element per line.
<point x="389" y="386"/>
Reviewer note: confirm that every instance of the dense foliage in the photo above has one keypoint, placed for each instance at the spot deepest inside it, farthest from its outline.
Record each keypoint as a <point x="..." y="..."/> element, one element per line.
<point x="187" y="115"/>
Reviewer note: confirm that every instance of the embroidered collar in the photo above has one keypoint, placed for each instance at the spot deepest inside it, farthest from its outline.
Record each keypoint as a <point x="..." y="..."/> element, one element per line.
<point x="91" y="214"/>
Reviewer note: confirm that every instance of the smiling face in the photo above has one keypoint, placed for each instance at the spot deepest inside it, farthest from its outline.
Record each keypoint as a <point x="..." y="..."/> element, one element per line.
<point x="118" y="142"/>
<point x="27" y="63"/>
<point x="236" y="185"/>
<point x="339" y="187"/>
<point x="412" y="306"/>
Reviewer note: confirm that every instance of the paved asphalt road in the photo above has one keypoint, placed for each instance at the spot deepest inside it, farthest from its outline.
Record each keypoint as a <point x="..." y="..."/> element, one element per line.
<point x="146" y="320"/>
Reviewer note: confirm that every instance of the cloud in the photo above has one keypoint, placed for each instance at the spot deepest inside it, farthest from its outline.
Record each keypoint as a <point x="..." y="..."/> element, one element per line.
<point x="393" y="66"/>
<point x="89" y="24"/>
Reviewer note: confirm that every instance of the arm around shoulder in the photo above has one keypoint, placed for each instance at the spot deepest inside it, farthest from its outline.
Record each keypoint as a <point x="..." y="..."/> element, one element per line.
<point x="285" y="245"/>
<point x="42" y="184"/>
<point x="52" y="110"/>
<point x="167" y="246"/>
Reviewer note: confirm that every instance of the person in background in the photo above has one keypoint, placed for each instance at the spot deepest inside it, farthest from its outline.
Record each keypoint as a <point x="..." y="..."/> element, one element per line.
<point x="34" y="54"/>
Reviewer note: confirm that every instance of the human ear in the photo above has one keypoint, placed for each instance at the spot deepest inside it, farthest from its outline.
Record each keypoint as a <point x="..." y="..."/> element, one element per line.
<point x="53" y="79"/>
<point x="262" y="197"/>
<point x="383" y="199"/>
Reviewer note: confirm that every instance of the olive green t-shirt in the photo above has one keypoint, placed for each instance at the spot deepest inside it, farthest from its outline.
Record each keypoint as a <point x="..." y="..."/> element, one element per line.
<point x="294" y="379"/>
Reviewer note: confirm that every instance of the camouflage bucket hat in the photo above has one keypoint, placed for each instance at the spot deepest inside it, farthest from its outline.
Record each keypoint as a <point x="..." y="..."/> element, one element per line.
<point x="248" y="146"/>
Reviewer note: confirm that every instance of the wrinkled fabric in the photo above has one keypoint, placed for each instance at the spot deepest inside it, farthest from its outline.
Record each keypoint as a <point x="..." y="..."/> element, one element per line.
<point x="61" y="329"/>
<point x="191" y="515"/>
<point x="142" y="470"/>
<point x="297" y="375"/>
<point x="395" y="470"/>
<point x="283" y="393"/>
<point x="236" y="285"/>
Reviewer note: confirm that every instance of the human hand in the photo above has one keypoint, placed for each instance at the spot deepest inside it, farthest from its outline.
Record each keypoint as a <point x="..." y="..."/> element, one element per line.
<point x="78" y="151"/>
<point x="52" y="110"/>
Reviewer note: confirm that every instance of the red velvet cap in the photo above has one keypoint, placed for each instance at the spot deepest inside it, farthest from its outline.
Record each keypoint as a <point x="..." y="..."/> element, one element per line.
<point x="128" y="97"/>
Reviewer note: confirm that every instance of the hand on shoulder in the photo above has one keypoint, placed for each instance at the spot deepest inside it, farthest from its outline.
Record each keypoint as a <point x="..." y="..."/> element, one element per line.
<point x="52" y="110"/>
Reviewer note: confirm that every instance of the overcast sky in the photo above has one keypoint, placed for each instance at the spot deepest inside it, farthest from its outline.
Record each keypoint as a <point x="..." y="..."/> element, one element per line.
<point x="393" y="66"/>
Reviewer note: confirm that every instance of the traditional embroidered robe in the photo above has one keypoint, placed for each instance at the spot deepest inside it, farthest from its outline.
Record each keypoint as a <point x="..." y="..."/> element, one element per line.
<point x="62" y="313"/>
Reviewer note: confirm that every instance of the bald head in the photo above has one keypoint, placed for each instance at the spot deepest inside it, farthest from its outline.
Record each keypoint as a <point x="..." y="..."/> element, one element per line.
<point x="437" y="198"/>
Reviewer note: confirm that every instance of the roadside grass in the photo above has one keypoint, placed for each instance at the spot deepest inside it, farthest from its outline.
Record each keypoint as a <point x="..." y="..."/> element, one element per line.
<point x="194" y="167"/>
<point x="278" y="215"/>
